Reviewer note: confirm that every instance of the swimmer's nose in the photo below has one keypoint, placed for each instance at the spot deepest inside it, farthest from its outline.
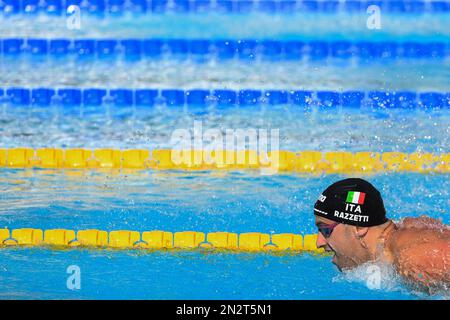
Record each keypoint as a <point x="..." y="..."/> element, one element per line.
<point x="321" y="242"/>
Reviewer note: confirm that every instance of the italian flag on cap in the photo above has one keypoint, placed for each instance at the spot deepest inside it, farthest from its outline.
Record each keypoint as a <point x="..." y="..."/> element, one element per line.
<point x="355" y="197"/>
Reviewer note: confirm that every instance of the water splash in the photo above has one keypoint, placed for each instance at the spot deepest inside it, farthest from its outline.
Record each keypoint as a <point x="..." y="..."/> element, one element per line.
<point x="382" y="276"/>
<point x="374" y="275"/>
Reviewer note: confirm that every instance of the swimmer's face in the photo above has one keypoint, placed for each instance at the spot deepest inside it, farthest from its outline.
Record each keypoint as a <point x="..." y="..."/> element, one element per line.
<point x="342" y="242"/>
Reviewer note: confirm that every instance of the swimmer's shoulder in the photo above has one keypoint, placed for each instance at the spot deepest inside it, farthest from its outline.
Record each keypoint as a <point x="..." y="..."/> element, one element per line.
<point x="422" y="253"/>
<point x="426" y="263"/>
<point x="422" y="222"/>
<point x="423" y="233"/>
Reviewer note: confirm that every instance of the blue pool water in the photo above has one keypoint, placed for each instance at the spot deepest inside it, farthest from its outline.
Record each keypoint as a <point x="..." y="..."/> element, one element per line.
<point x="118" y="275"/>
<point x="236" y="202"/>
<point x="344" y="75"/>
<point x="211" y="201"/>
<point x="142" y="127"/>
<point x="343" y="26"/>
<point x="174" y="201"/>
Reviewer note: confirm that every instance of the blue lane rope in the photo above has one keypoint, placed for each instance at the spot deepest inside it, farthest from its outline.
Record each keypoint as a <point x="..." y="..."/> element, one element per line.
<point x="247" y="49"/>
<point x="75" y="97"/>
<point x="116" y="7"/>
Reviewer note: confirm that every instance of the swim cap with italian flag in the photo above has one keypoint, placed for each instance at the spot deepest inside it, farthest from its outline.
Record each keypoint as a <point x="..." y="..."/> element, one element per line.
<point x="352" y="201"/>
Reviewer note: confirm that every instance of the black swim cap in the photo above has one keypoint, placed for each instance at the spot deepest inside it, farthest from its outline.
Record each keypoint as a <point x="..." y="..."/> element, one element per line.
<point x="352" y="201"/>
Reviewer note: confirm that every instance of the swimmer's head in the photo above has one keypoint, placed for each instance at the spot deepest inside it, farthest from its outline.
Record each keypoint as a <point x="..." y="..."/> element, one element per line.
<point x="346" y="213"/>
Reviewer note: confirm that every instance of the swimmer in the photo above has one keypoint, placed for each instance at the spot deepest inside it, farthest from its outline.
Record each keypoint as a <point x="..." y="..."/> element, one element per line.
<point x="352" y="223"/>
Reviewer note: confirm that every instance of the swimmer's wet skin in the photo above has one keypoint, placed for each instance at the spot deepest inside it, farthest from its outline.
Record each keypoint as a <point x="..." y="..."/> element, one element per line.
<point x="352" y="223"/>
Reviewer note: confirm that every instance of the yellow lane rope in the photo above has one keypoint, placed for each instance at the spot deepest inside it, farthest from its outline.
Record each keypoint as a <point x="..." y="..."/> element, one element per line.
<point x="159" y="240"/>
<point x="277" y="161"/>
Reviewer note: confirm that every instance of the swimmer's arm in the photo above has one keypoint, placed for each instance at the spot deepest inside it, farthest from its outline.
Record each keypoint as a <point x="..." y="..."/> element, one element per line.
<point x="425" y="264"/>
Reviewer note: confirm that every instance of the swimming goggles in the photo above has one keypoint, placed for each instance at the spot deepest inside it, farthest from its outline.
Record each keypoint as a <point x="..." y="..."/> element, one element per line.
<point x="327" y="229"/>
